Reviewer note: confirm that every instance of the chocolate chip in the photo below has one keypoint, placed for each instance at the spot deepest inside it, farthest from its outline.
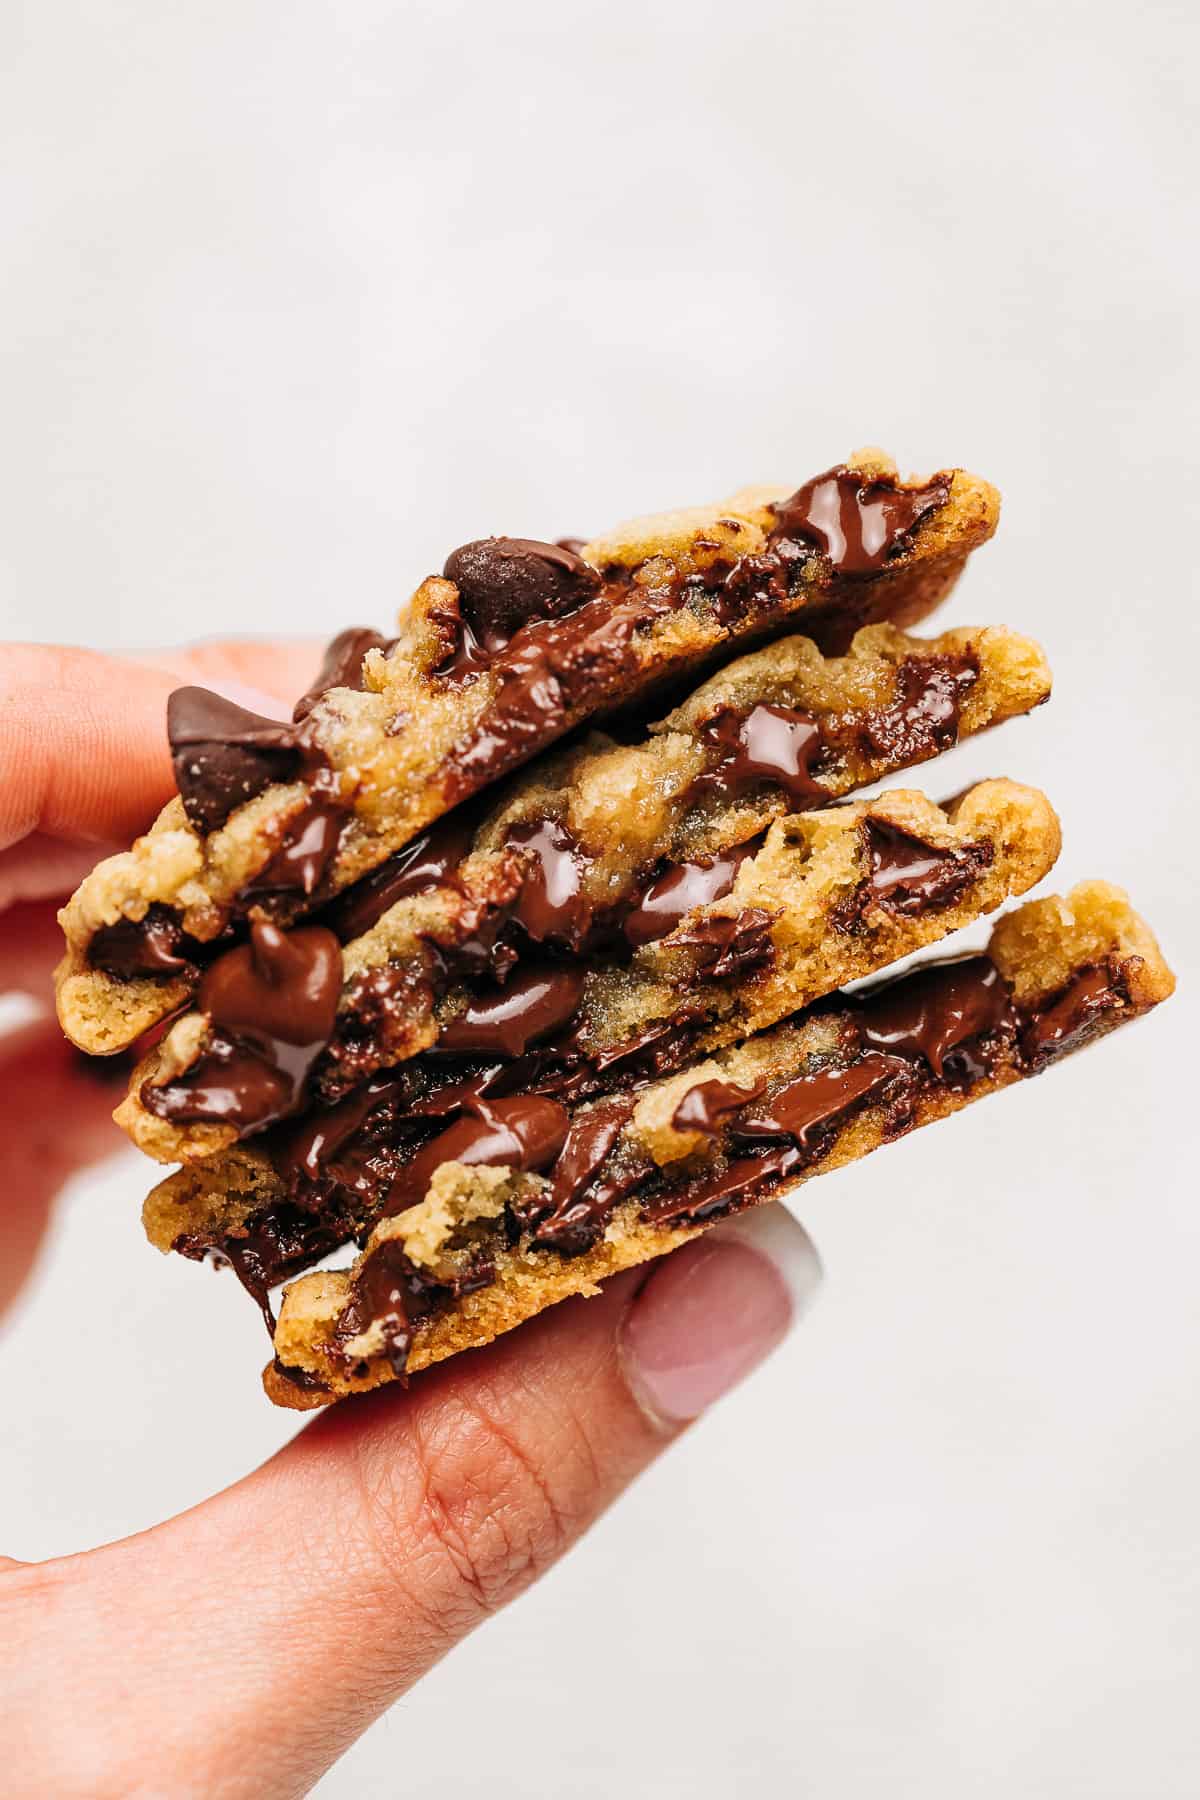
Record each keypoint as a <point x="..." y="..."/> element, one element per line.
<point x="224" y="755"/>
<point x="504" y="582"/>
<point x="860" y="522"/>
<point x="341" y="666"/>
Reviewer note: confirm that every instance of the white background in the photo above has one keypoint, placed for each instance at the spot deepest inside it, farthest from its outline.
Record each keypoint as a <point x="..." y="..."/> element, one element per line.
<point x="297" y="298"/>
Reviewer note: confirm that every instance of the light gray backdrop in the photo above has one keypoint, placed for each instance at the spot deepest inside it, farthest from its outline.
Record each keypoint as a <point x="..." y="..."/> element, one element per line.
<point x="296" y="299"/>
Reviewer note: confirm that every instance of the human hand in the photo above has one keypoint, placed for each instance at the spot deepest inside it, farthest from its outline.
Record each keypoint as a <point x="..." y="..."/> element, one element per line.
<point x="239" y="1648"/>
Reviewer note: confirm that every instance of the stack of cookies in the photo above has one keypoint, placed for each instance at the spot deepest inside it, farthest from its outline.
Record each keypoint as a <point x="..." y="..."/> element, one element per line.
<point x="518" y="956"/>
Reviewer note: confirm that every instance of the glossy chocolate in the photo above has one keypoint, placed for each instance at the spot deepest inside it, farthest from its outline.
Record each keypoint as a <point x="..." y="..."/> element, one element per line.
<point x="801" y="1106"/>
<point x="923" y="715"/>
<point x="523" y="1132"/>
<point x="911" y="877"/>
<point x="732" y="1186"/>
<point x="1060" y="1021"/>
<point x="504" y="583"/>
<point x="572" y="1217"/>
<point x="535" y="1003"/>
<point x="341" y="665"/>
<point x="430" y="860"/>
<point x="726" y="946"/>
<point x="271" y="1005"/>
<point x="153" y="946"/>
<point x="706" y="1107"/>
<point x="551" y="904"/>
<point x="859" y="522"/>
<point x="683" y="886"/>
<point x="224" y="756"/>
<point x="769" y="745"/>
<point x="298" y="867"/>
<point x="931" y="1011"/>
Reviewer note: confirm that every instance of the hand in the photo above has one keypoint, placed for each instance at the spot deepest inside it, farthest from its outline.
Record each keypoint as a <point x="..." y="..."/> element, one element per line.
<point x="241" y="1647"/>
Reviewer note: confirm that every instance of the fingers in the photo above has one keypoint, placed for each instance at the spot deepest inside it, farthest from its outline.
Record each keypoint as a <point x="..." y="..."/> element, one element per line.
<point x="83" y="745"/>
<point x="343" y="1569"/>
<point x="55" y="1116"/>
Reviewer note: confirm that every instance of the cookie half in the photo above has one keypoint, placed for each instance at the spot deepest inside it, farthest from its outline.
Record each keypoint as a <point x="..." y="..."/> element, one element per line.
<point x="514" y="645"/>
<point x="816" y="900"/>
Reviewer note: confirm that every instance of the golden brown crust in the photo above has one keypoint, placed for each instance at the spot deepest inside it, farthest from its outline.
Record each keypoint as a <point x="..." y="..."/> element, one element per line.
<point x="391" y="745"/>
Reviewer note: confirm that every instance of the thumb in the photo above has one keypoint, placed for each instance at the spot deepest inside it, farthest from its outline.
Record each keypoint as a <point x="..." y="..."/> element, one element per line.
<point x="276" y="1621"/>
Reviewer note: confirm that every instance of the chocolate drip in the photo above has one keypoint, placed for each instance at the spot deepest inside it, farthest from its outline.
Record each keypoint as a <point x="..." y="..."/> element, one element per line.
<point x="341" y="665"/>
<point x="935" y="1009"/>
<point x="725" y="946"/>
<point x="534" y="1004"/>
<point x="551" y="904"/>
<point x="859" y="522"/>
<point x="153" y="946"/>
<point x="299" y="866"/>
<point x="271" y="1005"/>
<point x="272" y="1247"/>
<point x="431" y="860"/>
<point x="768" y="744"/>
<point x="683" y="886"/>
<point x="224" y="756"/>
<point x="911" y="877"/>
<point x="706" y="1106"/>
<point x="524" y="1132"/>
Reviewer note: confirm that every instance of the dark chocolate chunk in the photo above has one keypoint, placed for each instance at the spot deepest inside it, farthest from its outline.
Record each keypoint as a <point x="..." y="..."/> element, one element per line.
<point x="773" y="745"/>
<point x="807" y="1102"/>
<point x="341" y="666"/>
<point x="154" y="946"/>
<point x="725" y="946"/>
<point x="1062" y="1021"/>
<point x="706" y="1106"/>
<point x="682" y="886"/>
<point x="911" y="877"/>
<point x="737" y="1183"/>
<point x="934" y="1009"/>
<point x="572" y="1216"/>
<point x="535" y="1003"/>
<point x="524" y="1132"/>
<point x="859" y="522"/>
<point x="390" y="1291"/>
<point x="223" y="755"/>
<point x="504" y="583"/>
<point x="923" y="715"/>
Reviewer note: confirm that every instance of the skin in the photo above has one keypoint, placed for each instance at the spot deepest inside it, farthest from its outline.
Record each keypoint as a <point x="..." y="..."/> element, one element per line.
<point x="388" y="1528"/>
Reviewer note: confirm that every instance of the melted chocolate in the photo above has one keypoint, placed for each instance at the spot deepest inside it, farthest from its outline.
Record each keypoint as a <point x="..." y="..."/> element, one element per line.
<point x="524" y="1132"/>
<point x="153" y="946"/>
<point x="341" y="666"/>
<point x="859" y="522"/>
<point x="923" y="716"/>
<point x="912" y="877"/>
<point x="683" y="886"/>
<point x="551" y="905"/>
<point x="706" y="1106"/>
<point x="572" y="1216"/>
<point x="431" y="860"/>
<point x="733" y="1185"/>
<point x="1062" y="1021"/>
<point x="271" y="1004"/>
<point x="769" y="744"/>
<point x="534" y="1004"/>
<point x="801" y="1106"/>
<point x="935" y="1009"/>
<point x="310" y="843"/>
<point x="224" y="756"/>
<point x="728" y="945"/>
<point x="389" y="1290"/>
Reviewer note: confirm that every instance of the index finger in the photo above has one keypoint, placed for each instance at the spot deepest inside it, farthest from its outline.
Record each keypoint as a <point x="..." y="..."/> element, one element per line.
<point x="83" y="743"/>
